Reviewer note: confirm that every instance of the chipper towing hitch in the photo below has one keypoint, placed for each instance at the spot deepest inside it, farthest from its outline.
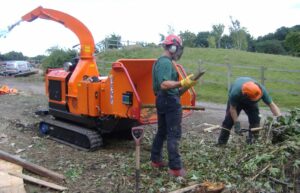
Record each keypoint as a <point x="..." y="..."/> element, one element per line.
<point x="138" y="134"/>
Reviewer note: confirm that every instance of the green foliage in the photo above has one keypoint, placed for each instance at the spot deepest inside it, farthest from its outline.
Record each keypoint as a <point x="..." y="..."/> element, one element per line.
<point x="188" y="38"/>
<point x="13" y="56"/>
<point x="286" y="127"/>
<point x="212" y="42"/>
<point x="238" y="35"/>
<point x="202" y="39"/>
<point x="243" y="168"/>
<point x="217" y="32"/>
<point x="270" y="47"/>
<point x="281" y="33"/>
<point x="57" y="57"/>
<point x="292" y="42"/>
<point x="226" y="42"/>
<point x="74" y="172"/>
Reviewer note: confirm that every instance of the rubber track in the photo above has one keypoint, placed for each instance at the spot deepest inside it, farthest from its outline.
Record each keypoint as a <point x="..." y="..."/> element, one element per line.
<point x="92" y="138"/>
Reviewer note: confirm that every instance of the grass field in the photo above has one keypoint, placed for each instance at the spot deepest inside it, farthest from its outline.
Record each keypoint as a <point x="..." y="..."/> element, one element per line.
<point x="213" y="85"/>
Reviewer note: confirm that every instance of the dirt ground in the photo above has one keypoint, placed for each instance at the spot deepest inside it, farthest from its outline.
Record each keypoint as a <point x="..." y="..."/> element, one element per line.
<point x="85" y="171"/>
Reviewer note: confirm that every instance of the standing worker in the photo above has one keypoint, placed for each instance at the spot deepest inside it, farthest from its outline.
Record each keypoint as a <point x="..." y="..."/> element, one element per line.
<point x="245" y="94"/>
<point x="166" y="87"/>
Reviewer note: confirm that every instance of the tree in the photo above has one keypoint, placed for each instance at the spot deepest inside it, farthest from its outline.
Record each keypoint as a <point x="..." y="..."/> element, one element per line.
<point x="270" y="47"/>
<point x="171" y="30"/>
<point x="57" y="57"/>
<point x="188" y="38"/>
<point x="217" y="32"/>
<point x="111" y="42"/>
<point x="14" y="56"/>
<point x="269" y="36"/>
<point x="292" y="42"/>
<point x="211" y="41"/>
<point x="202" y="39"/>
<point x="281" y="33"/>
<point x="226" y="42"/>
<point x="238" y="35"/>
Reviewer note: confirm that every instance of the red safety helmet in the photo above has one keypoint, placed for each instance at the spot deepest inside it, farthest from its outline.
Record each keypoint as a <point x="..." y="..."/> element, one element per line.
<point x="252" y="91"/>
<point x="172" y="40"/>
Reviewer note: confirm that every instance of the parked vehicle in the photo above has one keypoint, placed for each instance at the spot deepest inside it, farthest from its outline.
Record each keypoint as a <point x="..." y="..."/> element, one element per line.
<point x="2" y="68"/>
<point x="15" y="67"/>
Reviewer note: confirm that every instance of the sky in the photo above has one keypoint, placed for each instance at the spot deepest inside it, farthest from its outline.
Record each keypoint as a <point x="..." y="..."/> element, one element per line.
<point x="138" y="20"/>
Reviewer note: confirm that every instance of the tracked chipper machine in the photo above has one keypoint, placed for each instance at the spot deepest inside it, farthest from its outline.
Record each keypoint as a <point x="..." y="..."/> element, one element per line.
<point x="84" y="104"/>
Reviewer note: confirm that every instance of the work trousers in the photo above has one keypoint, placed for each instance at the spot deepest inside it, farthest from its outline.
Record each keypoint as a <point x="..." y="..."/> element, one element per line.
<point x="251" y="110"/>
<point x="169" y="115"/>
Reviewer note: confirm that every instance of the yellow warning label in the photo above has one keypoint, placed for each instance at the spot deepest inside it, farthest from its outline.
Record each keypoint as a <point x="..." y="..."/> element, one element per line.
<point x="87" y="49"/>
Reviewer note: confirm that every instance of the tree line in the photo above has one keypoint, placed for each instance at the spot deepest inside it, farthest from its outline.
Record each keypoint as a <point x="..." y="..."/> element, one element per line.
<point x="284" y="41"/>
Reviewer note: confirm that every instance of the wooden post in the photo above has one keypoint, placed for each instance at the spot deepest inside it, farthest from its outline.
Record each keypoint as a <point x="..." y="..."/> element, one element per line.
<point x="229" y="73"/>
<point x="262" y="75"/>
<point x="31" y="167"/>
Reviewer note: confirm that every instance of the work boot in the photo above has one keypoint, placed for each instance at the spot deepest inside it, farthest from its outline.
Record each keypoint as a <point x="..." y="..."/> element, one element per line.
<point x="252" y="137"/>
<point x="223" y="137"/>
<point x="177" y="172"/>
<point x="158" y="164"/>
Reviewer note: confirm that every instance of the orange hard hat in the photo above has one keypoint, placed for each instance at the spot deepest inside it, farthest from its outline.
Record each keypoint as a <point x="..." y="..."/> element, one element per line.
<point x="252" y="90"/>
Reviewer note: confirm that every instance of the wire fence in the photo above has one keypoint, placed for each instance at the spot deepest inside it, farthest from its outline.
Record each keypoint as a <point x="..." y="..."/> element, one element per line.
<point x="118" y="44"/>
<point x="275" y="79"/>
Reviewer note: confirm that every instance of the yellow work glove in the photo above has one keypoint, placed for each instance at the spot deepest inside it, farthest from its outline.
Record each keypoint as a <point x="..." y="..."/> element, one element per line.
<point x="187" y="82"/>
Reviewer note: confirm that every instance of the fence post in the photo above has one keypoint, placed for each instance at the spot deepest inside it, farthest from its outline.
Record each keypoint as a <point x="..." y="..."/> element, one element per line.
<point x="229" y="73"/>
<point x="262" y="75"/>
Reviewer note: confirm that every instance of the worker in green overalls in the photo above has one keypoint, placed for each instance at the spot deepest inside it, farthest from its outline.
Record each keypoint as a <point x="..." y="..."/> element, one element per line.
<point x="244" y="94"/>
<point x="166" y="87"/>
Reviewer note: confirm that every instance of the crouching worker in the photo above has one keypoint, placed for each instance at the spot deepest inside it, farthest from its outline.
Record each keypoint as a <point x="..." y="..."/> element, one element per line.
<point x="166" y="87"/>
<point x="244" y="94"/>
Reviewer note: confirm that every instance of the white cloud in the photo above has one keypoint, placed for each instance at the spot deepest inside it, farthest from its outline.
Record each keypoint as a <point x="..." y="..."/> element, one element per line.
<point x="139" y="20"/>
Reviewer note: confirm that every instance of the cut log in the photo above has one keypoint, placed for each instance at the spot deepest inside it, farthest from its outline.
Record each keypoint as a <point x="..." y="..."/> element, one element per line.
<point x="38" y="181"/>
<point x="31" y="167"/>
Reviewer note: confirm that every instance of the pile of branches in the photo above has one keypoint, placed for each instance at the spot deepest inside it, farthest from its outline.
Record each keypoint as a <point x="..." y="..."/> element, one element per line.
<point x="271" y="165"/>
<point x="284" y="127"/>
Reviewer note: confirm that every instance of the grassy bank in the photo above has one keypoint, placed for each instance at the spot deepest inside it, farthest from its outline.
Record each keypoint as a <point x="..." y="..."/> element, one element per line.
<point x="213" y="86"/>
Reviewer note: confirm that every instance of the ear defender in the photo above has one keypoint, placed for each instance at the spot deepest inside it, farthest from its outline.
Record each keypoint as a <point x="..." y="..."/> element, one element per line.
<point x="173" y="49"/>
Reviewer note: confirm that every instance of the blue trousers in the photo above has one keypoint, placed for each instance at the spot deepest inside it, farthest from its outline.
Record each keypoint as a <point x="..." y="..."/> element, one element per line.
<point x="251" y="110"/>
<point x="169" y="115"/>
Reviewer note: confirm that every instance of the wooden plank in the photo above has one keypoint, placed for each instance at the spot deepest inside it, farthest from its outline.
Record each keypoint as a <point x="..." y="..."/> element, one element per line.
<point x="38" y="181"/>
<point x="8" y="183"/>
<point x="210" y="129"/>
<point x="182" y="190"/>
<point x="31" y="167"/>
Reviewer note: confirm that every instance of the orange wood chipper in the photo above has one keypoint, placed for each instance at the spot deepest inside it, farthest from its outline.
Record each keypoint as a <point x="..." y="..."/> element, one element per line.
<point x="85" y="105"/>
